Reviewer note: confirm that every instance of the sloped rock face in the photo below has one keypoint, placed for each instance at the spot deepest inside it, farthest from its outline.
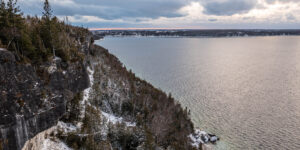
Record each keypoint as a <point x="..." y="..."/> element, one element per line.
<point x="108" y="106"/>
<point x="34" y="99"/>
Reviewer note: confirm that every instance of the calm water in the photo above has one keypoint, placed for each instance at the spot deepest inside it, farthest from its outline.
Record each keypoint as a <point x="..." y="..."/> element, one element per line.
<point x="246" y="90"/>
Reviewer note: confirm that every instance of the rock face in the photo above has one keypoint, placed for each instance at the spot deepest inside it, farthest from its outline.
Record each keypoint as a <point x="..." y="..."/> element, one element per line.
<point x="106" y="106"/>
<point x="118" y="111"/>
<point x="33" y="99"/>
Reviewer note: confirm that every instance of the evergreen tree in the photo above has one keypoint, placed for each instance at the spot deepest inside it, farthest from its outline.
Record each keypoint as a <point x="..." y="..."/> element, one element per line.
<point x="11" y="22"/>
<point x="3" y="13"/>
<point x="35" y="40"/>
<point x="47" y="30"/>
<point x="47" y="14"/>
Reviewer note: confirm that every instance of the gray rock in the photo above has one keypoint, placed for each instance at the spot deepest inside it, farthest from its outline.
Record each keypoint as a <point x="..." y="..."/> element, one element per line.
<point x="30" y="103"/>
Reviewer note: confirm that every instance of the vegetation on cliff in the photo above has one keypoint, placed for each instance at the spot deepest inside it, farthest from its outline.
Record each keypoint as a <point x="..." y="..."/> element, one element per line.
<point x="150" y="118"/>
<point x="38" y="39"/>
<point x="118" y="111"/>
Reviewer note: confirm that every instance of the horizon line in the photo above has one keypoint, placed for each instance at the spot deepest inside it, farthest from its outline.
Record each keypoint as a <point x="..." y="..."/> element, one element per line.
<point x="93" y="29"/>
<point x="108" y="29"/>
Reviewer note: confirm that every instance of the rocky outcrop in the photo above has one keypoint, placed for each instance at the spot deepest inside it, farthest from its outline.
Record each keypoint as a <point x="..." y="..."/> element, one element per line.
<point x="34" y="98"/>
<point x="94" y="103"/>
<point x="119" y="111"/>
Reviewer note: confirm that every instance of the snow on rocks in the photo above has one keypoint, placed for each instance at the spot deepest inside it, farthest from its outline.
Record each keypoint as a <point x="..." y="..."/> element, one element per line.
<point x="196" y="138"/>
<point x="114" y="119"/>
<point x="43" y="140"/>
<point x="201" y="137"/>
<point x="52" y="68"/>
<point x="214" y="139"/>
<point x="54" y="145"/>
<point x="56" y="58"/>
<point x="87" y="92"/>
<point x="66" y="127"/>
<point x="35" y="85"/>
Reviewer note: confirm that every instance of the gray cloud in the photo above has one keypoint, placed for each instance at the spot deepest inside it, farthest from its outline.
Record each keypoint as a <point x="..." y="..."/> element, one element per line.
<point x="139" y="13"/>
<point x="111" y="9"/>
<point x="228" y="7"/>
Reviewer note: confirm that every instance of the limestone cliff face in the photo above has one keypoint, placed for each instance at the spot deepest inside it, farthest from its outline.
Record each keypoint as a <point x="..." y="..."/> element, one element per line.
<point x="95" y="104"/>
<point x="33" y="99"/>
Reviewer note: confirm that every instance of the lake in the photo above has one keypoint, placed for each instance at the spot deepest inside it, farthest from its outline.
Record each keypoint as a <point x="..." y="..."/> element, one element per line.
<point x="244" y="89"/>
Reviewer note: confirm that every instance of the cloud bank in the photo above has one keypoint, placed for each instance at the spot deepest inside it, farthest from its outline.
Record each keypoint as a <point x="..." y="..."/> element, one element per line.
<point x="174" y="13"/>
<point x="229" y="7"/>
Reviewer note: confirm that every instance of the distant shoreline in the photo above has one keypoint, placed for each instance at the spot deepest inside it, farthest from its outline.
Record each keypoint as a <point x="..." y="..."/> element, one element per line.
<point x="195" y="33"/>
<point x="138" y="36"/>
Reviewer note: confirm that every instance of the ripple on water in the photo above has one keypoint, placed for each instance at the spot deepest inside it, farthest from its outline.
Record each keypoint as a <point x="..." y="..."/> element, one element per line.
<point x="245" y="90"/>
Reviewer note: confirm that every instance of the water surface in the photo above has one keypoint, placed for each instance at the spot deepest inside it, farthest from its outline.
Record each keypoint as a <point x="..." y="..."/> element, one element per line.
<point x="246" y="90"/>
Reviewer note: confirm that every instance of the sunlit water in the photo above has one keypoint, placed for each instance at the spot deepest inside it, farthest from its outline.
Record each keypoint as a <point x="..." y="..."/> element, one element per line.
<point x="245" y="90"/>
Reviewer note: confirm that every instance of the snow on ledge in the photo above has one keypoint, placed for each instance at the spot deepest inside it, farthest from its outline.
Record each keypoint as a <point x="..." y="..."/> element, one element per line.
<point x="114" y="119"/>
<point x="54" y="145"/>
<point x="43" y="140"/>
<point x="66" y="127"/>
<point x="86" y="92"/>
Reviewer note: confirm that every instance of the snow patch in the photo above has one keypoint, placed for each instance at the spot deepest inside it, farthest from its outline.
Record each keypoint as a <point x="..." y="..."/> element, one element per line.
<point x="66" y="127"/>
<point x="52" y="68"/>
<point x="35" y="85"/>
<point x="43" y="141"/>
<point x="86" y="92"/>
<point x="57" y="58"/>
<point x="114" y="119"/>
<point x="196" y="137"/>
<point x="202" y="137"/>
<point x="54" y="145"/>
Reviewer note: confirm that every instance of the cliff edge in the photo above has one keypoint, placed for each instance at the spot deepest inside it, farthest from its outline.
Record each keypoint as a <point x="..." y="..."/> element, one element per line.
<point x="95" y="103"/>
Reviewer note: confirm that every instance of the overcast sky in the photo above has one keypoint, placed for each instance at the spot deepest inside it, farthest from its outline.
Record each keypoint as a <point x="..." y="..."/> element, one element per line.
<point x="197" y="14"/>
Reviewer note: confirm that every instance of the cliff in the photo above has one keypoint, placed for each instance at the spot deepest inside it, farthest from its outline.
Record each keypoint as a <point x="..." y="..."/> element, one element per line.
<point x="95" y="103"/>
<point x="120" y="111"/>
<point x="33" y="100"/>
<point x="60" y="91"/>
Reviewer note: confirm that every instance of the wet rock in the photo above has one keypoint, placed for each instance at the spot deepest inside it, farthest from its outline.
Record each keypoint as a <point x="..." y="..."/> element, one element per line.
<point x="205" y="138"/>
<point x="201" y="137"/>
<point x="214" y="139"/>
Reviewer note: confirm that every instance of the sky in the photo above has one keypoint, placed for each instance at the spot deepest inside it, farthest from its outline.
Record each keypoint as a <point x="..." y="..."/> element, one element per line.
<point x="175" y="14"/>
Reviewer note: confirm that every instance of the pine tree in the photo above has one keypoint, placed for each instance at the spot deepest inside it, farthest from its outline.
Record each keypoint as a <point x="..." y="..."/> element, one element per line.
<point x="47" y="16"/>
<point x="11" y="22"/>
<point x="3" y="13"/>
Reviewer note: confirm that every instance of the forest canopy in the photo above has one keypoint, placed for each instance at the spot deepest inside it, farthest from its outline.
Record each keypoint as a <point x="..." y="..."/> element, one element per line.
<point x="38" y="39"/>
